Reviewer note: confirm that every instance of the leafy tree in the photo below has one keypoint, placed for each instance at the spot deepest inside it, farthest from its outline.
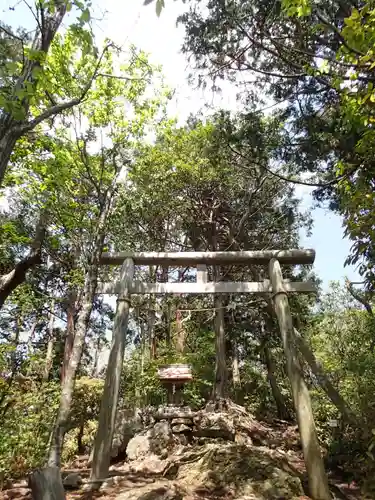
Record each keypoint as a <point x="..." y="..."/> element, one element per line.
<point x="315" y="62"/>
<point x="39" y="77"/>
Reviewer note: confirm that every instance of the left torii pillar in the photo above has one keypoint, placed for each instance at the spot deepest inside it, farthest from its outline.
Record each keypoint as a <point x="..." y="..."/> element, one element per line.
<point x="108" y="409"/>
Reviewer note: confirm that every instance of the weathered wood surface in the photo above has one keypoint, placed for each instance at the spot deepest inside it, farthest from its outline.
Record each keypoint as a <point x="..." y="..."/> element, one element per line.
<point x="317" y="478"/>
<point x="108" y="409"/>
<point x="175" y="372"/>
<point x="197" y="288"/>
<point x="202" y="276"/>
<point x="46" y="484"/>
<point x="297" y="256"/>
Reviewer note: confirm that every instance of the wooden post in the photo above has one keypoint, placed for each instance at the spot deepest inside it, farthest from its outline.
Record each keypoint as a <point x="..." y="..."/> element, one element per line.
<point x="107" y="416"/>
<point x="46" y="484"/>
<point x="318" y="482"/>
<point x="202" y="273"/>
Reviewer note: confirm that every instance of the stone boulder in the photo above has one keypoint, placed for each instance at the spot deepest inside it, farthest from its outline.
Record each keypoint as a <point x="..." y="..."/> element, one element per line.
<point x="230" y="422"/>
<point x="157" y="440"/>
<point x="152" y="465"/>
<point x="72" y="480"/>
<point x="128" y="424"/>
<point x="229" y="469"/>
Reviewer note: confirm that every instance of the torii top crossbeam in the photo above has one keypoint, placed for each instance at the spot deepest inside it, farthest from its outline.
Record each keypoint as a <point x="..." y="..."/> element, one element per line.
<point x="297" y="256"/>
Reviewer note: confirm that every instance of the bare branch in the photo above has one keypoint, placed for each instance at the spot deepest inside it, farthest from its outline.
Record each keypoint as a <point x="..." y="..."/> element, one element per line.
<point x="34" y="16"/>
<point x="11" y="34"/>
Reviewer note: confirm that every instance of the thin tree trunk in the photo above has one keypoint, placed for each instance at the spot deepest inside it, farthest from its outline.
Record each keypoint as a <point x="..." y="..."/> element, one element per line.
<point x="89" y="289"/>
<point x="50" y="344"/>
<point x="166" y="317"/>
<point x="236" y="365"/>
<point x="318" y="482"/>
<point x="180" y="330"/>
<point x="70" y="331"/>
<point x="282" y="409"/>
<point x="324" y="381"/>
<point x="108" y="408"/>
<point x="31" y="336"/>
<point x="180" y="336"/>
<point x="221" y="372"/>
<point x="15" y="342"/>
<point x="67" y="385"/>
<point x="94" y="370"/>
<point x="151" y="326"/>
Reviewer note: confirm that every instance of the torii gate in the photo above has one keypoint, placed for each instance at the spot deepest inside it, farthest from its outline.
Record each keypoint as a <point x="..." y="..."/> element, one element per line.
<point x="275" y="286"/>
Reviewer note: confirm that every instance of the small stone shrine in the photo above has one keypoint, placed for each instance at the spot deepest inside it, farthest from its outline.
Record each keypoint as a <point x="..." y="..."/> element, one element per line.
<point x="173" y="377"/>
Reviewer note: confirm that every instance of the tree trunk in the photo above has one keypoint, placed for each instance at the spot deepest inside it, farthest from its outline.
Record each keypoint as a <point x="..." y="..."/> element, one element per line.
<point x="89" y="289"/>
<point x="166" y="309"/>
<point x="282" y="410"/>
<point x="15" y="342"/>
<point x="236" y="365"/>
<point x="94" y="370"/>
<point x="221" y="373"/>
<point x="318" y="482"/>
<point x="10" y="281"/>
<point x="108" y="409"/>
<point x="151" y="326"/>
<point x="46" y="484"/>
<point x="70" y="331"/>
<point x="180" y="334"/>
<point x="50" y="344"/>
<point x="7" y="144"/>
<point x="67" y="385"/>
<point x="32" y="336"/>
<point x="324" y="381"/>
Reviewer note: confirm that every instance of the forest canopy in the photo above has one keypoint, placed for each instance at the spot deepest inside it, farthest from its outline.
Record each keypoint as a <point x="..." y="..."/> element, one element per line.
<point x="92" y="161"/>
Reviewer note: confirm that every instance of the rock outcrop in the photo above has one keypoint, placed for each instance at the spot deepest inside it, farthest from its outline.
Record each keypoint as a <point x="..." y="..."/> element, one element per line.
<point x="158" y="440"/>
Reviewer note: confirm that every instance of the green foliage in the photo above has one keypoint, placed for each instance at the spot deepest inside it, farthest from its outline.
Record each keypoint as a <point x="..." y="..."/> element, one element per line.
<point x="314" y="59"/>
<point x="27" y="413"/>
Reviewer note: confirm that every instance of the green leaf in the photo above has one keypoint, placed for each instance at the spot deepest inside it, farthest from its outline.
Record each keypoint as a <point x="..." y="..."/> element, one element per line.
<point x="85" y="16"/>
<point x="159" y="7"/>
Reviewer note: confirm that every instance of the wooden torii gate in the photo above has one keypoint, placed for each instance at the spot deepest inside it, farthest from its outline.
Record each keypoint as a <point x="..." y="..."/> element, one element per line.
<point x="276" y="287"/>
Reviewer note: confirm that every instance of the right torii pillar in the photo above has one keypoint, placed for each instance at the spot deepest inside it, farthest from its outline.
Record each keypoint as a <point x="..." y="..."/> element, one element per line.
<point x="317" y="478"/>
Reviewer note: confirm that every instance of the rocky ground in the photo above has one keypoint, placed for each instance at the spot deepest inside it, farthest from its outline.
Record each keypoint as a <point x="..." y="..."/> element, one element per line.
<point x="218" y="453"/>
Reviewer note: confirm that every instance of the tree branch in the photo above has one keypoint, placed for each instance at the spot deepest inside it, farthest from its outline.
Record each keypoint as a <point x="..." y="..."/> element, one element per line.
<point x="58" y="108"/>
<point x="294" y="181"/>
<point x="359" y="297"/>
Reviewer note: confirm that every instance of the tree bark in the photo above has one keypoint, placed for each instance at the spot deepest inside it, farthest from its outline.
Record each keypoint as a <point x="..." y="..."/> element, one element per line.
<point x="89" y="289"/>
<point x="46" y="484"/>
<point x="70" y="331"/>
<point x="324" y="381"/>
<point x="151" y="326"/>
<point x="10" y="281"/>
<point x="236" y="365"/>
<point x="67" y="385"/>
<point x="282" y="410"/>
<point x="180" y="333"/>
<point x="108" y="409"/>
<point x="221" y="372"/>
<point x="50" y="343"/>
<point x="317" y="478"/>
<point x="94" y="370"/>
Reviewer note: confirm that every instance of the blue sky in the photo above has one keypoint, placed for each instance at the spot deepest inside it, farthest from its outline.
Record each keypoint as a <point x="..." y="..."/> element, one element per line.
<point x="131" y="22"/>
